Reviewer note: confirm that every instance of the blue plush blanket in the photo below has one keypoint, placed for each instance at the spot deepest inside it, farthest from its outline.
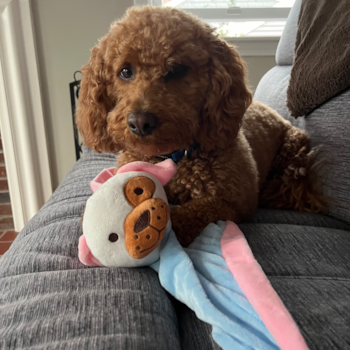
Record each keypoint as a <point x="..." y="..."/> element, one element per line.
<point x="199" y="277"/>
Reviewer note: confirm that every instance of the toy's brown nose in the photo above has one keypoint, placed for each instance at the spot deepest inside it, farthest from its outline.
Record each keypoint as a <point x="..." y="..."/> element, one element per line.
<point x="145" y="227"/>
<point x="142" y="123"/>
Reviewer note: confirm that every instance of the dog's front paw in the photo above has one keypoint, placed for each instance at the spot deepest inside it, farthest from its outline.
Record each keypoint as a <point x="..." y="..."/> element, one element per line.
<point x="185" y="227"/>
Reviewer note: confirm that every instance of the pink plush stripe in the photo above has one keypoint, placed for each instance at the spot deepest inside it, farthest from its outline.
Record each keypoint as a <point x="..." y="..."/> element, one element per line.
<point x="163" y="171"/>
<point x="257" y="288"/>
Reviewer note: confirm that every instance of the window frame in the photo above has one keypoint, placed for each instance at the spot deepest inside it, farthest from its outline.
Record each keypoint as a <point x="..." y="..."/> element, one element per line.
<point x="248" y="46"/>
<point x="241" y="14"/>
<point x="21" y="115"/>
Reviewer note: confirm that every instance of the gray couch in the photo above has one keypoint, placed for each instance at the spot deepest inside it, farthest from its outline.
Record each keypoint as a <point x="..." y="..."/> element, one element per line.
<point x="49" y="300"/>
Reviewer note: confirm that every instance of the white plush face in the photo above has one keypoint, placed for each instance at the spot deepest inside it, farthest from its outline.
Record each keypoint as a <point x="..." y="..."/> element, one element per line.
<point x="121" y="228"/>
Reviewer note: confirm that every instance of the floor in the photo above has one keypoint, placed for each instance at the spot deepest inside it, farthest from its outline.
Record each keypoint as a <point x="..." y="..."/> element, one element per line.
<point x="7" y="233"/>
<point x="6" y="239"/>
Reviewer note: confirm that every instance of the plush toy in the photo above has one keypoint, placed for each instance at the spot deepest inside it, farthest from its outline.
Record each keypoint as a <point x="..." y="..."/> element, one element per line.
<point x="126" y="218"/>
<point x="127" y="224"/>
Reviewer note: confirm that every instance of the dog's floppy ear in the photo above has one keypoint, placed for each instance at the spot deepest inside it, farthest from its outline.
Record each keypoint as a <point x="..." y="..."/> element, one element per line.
<point x="94" y="103"/>
<point x="227" y="99"/>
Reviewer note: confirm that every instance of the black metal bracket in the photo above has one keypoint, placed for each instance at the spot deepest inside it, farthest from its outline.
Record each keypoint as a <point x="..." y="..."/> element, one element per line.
<point x="74" y="89"/>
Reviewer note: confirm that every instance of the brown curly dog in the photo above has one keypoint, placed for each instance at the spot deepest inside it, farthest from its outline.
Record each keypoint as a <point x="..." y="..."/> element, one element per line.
<point x="162" y="81"/>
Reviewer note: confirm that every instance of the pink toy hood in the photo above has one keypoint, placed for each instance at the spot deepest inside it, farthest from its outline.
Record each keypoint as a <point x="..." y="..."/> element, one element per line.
<point x="163" y="171"/>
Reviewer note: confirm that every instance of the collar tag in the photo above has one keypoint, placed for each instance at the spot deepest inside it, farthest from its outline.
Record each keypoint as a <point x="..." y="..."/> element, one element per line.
<point x="178" y="155"/>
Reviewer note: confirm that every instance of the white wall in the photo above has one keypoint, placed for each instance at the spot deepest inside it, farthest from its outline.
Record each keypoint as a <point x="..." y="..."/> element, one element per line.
<point x="65" y="31"/>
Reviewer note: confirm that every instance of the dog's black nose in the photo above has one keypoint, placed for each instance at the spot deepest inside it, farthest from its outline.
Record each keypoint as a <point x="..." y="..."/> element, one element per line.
<point x="142" y="123"/>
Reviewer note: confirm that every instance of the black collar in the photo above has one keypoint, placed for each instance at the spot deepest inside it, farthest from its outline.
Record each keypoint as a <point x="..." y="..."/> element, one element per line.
<point x="178" y="155"/>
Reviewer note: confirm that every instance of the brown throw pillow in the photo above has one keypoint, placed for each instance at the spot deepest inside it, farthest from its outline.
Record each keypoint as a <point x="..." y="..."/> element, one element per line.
<point x="321" y="67"/>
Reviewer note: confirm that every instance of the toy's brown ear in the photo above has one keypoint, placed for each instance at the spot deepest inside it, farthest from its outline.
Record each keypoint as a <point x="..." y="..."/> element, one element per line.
<point x="94" y="103"/>
<point x="228" y="97"/>
<point x="138" y="190"/>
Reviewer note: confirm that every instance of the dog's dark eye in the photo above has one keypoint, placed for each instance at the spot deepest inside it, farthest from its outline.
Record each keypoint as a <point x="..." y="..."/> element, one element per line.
<point x="176" y="71"/>
<point x="126" y="74"/>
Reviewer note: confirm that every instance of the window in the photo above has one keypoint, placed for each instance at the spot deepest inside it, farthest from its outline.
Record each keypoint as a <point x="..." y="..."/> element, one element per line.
<point x="240" y="18"/>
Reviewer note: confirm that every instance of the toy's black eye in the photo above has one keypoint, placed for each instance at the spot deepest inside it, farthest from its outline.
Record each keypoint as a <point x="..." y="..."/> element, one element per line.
<point x="138" y="191"/>
<point x="126" y="74"/>
<point x="176" y="71"/>
<point x="113" y="237"/>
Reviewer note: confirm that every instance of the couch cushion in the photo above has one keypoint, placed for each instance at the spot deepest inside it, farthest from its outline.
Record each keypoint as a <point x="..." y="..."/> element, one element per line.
<point x="285" y="49"/>
<point x="293" y="250"/>
<point x="86" y="309"/>
<point x="328" y="126"/>
<point x="272" y="91"/>
<point x="291" y="217"/>
<point x="320" y="307"/>
<point x="49" y="300"/>
<point x="309" y="269"/>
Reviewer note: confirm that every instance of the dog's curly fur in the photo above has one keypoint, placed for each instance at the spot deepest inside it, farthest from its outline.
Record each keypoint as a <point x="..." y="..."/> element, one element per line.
<point x="245" y="146"/>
